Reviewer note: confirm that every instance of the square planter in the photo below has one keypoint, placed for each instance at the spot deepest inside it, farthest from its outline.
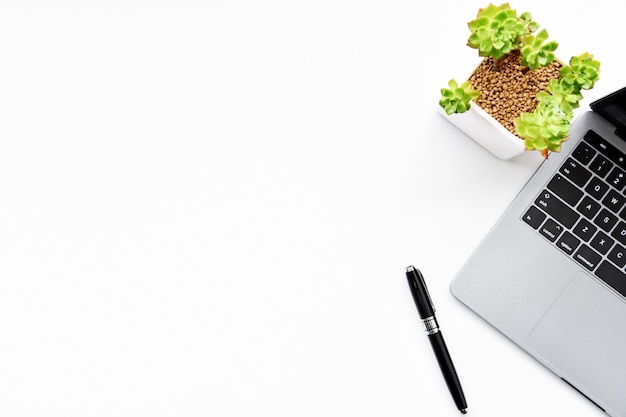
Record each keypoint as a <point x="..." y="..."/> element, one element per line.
<point x="487" y="131"/>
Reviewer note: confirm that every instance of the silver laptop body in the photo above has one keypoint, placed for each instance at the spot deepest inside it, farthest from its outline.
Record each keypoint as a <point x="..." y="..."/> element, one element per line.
<point x="551" y="274"/>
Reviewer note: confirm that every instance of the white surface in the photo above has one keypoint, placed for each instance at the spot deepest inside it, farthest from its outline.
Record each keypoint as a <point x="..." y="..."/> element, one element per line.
<point x="206" y="208"/>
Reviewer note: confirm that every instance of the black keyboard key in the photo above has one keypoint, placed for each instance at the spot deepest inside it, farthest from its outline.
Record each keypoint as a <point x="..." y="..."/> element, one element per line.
<point x="583" y="153"/>
<point x="588" y="207"/>
<point x="565" y="189"/>
<point x="585" y="230"/>
<point x="602" y="243"/>
<point x="561" y="212"/>
<point x="568" y="243"/>
<point x="597" y="188"/>
<point x="534" y="217"/>
<point x="606" y="148"/>
<point x="551" y="230"/>
<point x="601" y="166"/>
<point x="614" y="201"/>
<point x="612" y="276"/>
<point x="587" y="257"/>
<point x="617" y="178"/>
<point x="619" y="232"/>
<point x="576" y="172"/>
<point x="605" y="220"/>
<point x="618" y="256"/>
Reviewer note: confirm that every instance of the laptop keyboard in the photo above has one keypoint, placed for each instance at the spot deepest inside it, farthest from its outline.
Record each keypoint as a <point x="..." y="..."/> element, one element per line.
<point x="582" y="210"/>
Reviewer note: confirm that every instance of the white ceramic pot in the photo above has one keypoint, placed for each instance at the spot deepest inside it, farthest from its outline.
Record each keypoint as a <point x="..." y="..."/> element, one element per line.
<point x="487" y="131"/>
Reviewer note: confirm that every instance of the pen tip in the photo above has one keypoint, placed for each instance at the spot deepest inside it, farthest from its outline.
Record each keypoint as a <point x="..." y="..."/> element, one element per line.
<point x="410" y="268"/>
<point x="463" y="411"/>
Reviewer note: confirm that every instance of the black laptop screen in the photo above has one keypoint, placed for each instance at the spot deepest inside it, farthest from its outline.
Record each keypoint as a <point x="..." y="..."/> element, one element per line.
<point x="613" y="108"/>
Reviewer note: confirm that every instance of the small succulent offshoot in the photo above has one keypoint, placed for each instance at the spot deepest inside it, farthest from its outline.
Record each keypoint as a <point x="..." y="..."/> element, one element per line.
<point x="456" y="99"/>
<point x="527" y="19"/>
<point x="582" y="72"/>
<point x="537" y="51"/>
<point x="565" y="95"/>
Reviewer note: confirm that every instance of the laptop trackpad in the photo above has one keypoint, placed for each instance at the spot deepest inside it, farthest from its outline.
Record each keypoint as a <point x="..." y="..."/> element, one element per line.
<point x="582" y="338"/>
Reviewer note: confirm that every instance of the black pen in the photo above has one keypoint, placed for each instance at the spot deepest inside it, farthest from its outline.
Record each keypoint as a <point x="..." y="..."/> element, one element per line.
<point x="427" y="314"/>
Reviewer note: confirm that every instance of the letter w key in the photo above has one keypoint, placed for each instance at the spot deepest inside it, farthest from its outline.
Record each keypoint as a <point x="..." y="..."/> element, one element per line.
<point x="614" y="201"/>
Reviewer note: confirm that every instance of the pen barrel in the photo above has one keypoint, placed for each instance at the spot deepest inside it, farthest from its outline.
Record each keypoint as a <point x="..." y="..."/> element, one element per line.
<point x="447" y="369"/>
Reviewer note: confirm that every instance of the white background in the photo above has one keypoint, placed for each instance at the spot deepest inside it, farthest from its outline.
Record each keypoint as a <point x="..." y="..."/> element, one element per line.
<point x="207" y="208"/>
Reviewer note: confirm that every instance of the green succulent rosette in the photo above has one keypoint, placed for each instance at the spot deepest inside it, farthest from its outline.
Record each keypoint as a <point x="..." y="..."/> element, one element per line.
<point x="497" y="29"/>
<point x="456" y="98"/>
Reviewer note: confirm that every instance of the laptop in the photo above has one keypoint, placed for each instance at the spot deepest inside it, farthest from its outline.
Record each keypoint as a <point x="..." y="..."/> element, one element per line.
<point x="551" y="273"/>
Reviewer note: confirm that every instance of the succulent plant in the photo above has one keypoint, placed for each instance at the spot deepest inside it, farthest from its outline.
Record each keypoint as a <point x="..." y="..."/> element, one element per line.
<point x="497" y="30"/>
<point x="582" y="72"/>
<point x="537" y="51"/>
<point x="544" y="129"/>
<point x="549" y="125"/>
<point x="565" y="95"/>
<point x="456" y="99"/>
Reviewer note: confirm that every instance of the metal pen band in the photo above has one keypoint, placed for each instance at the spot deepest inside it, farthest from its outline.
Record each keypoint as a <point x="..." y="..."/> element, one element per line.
<point x="431" y="325"/>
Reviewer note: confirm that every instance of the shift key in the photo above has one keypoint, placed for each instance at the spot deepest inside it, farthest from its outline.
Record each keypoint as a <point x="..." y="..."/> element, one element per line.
<point x="560" y="211"/>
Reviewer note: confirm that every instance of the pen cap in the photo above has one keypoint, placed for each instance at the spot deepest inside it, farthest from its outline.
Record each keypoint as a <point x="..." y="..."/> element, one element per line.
<point x="420" y="293"/>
